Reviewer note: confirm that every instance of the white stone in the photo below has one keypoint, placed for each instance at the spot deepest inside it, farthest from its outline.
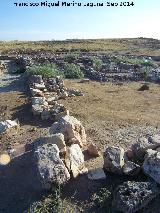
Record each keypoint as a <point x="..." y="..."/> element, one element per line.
<point x="75" y="160"/>
<point x="8" y="124"/>
<point x="71" y="128"/>
<point x="38" y="100"/>
<point x="57" y="139"/>
<point x="37" y="109"/>
<point x="39" y="86"/>
<point x="36" y="92"/>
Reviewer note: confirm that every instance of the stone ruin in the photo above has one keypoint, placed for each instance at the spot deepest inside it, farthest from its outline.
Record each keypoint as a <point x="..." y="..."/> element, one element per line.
<point x="58" y="157"/>
<point x="45" y="94"/>
<point x="142" y="157"/>
<point x="111" y="70"/>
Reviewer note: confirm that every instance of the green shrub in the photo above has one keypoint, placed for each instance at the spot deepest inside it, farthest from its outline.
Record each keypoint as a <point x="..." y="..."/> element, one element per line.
<point x="50" y="204"/>
<point x="144" y="73"/>
<point x="49" y="70"/>
<point x="70" y="58"/>
<point x="147" y="63"/>
<point x="133" y="61"/>
<point x="73" y="71"/>
<point x="103" y="199"/>
<point x="97" y="63"/>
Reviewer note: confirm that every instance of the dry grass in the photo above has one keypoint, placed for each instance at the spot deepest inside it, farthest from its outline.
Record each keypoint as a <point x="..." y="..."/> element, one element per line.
<point x="118" y="103"/>
<point x="107" y="108"/>
<point x="139" y="46"/>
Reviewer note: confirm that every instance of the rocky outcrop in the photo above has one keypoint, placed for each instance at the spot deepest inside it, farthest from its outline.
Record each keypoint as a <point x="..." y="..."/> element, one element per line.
<point x="50" y="168"/>
<point x="133" y="196"/>
<point x="71" y="128"/>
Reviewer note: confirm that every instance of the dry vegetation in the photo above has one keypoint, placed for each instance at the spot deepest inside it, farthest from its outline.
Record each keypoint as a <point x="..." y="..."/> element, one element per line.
<point x="107" y="108"/>
<point x="135" y="46"/>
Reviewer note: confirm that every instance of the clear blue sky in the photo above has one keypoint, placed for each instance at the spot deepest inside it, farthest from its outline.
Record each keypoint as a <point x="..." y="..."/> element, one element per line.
<point x="17" y="23"/>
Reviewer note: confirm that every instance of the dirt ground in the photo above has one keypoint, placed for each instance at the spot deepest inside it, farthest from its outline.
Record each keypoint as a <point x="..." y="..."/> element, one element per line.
<point x="111" y="114"/>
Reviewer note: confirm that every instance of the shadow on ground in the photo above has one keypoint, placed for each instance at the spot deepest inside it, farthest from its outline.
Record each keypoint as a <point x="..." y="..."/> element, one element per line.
<point x="13" y="83"/>
<point x="19" y="185"/>
<point x="25" y="116"/>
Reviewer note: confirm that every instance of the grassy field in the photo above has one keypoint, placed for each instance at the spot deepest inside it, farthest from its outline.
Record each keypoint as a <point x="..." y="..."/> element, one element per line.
<point x="132" y="46"/>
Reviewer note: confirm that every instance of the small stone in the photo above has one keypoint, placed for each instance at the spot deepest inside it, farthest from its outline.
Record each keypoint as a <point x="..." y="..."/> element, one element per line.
<point x="143" y="87"/>
<point x="38" y="100"/>
<point x="37" y="109"/>
<point x="93" y="150"/>
<point x="8" y="125"/>
<point x="36" y="92"/>
<point x="39" y="86"/>
<point x="45" y="114"/>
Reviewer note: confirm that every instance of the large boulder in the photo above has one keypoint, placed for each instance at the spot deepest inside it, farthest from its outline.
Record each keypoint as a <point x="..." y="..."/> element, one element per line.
<point x="143" y="144"/>
<point x="133" y="196"/>
<point x="151" y="165"/>
<point x="114" y="159"/>
<point x="75" y="160"/>
<point x="71" y="128"/>
<point x="50" y="168"/>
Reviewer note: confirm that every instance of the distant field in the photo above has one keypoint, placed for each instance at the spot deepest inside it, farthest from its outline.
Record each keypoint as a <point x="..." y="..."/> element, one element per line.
<point x="135" y="46"/>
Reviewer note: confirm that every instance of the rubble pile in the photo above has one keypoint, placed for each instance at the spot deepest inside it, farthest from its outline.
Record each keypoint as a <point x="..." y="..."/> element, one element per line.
<point x="112" y="67"/>
<point x="144" y="157"/>
<point x="45" y="95"/>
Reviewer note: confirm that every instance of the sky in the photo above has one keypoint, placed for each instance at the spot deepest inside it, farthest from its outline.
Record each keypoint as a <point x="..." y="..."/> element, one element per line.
<point x="48" y="23"/>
